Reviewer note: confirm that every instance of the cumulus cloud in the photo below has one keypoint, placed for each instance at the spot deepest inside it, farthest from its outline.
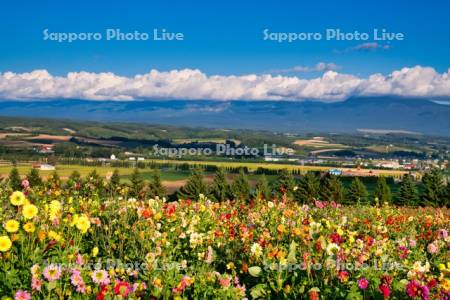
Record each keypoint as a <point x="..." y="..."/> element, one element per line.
<point x="319" y="67"/>
<point x="193" y="84"/>
<point x="366" y="47"/>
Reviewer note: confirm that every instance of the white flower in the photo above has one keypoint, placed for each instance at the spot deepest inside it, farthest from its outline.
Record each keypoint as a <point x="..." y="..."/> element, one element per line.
<point x="256" y="250"/>
<point x="195" y="239"/>
<point x="332" y="248"/>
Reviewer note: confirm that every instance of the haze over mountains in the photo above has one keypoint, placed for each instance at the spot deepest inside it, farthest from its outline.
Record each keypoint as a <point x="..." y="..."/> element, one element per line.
<point x="387" y="113"/>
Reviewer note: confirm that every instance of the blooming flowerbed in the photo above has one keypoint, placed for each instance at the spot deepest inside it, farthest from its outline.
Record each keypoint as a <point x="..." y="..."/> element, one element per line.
<point x="78" y="243"/>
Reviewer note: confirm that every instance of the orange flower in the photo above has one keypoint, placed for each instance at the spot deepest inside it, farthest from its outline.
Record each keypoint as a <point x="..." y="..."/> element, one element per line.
<point x="281" y="229"/>
<point x="42" y="235"/>
<point x="297" y="231"/>
<point x="244" y="268"/>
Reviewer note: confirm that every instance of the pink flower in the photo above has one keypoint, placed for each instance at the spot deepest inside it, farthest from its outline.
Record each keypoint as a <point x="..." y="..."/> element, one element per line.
<point x="363" y="283"/>
<point x="443" y="233"/>
<point x="319" y="204"/>
<point x="79" y="260"/>
<point x="22" y="295"/>
<point x="25" y="184"/>
<point x="52" y="272"/>
<point x="81" y="288"/>
<point x="36" y="284"/>
<point x="100" y="277"/>
<point x="224" y="282"/>
<point x="414" y="289"/>
<point x="403" y="252"/>
<point x="432" y="248"/>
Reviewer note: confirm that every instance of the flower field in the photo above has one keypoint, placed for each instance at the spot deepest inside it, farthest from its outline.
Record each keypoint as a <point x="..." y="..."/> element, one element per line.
<point x="61" y="241"/>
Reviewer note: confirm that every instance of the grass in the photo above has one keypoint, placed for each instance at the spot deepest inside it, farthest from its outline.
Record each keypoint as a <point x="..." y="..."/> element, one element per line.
<point x="66" y="170"/>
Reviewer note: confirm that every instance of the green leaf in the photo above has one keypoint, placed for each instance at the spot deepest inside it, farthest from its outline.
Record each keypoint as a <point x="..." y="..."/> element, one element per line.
<point x="258" y="291"/>
<point x="255" y="271"/>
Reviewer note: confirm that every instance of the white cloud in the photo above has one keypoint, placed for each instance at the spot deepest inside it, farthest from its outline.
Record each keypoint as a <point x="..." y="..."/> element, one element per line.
<point x="365" y="47"/>
<point x="193" y="84"/>
<point x="319" y="67"/>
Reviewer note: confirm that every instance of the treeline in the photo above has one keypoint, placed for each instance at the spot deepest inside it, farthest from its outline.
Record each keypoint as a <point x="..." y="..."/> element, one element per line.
<point x="434" y="191"/>
<point x="311" y="186"/>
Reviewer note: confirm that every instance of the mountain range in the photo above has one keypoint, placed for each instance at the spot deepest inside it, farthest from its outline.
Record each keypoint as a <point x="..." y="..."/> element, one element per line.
<point x="384" y="114"/>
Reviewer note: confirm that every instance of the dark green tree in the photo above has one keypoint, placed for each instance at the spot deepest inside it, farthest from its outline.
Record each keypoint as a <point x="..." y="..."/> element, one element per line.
<point x="156" y="186"/>
<point x="220" y="189"/>
<point x="114" y="181"/>
<point x="382" y="191"/>
<point x="193" y="187"/>
<point x="137" y="183"/>
<point x="356" y="193"/>
<point x="240" y="186"/>
<point x="34" y="178"/>
<point x="308" y="188"/>
<point x="331" y="189"/>
<point x="14" y="179"/>
<point x="407" y="192"/>
<point x="447" y="195"/>
<point x="285" y="182"/>
<point x="262" y="188"/>
<point x="433" y="188"/>
<point x="75" y="177"/>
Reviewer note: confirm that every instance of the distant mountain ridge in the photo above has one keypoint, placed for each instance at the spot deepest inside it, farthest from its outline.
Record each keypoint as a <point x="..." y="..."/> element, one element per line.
<point x="379" y="113"/>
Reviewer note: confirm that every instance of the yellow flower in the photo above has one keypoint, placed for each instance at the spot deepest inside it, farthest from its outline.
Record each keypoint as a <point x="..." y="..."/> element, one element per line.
<point x="11" y="226"/>
<point x="54" y="236"/>
<point x="17" y="198"/>
<point x="29" y="227"/>
<point x="83" y="223"/>
<point x="5" y="243"/>
<point x="230" y="266"/>
<point x="446" y="285"/>
<point x="55" y="209"/>
<point x="94" y="251"/>
<point x="29" y="211"/>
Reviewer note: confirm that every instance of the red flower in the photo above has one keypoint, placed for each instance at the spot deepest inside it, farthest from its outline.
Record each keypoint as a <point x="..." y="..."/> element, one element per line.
<point x="146" y="213"/>
<point x="385" y="290"/>
<point x="101" y="294"/>
<point x="336" y="238"/>
<point x="122" y="288"/>
<point x="343" y="276"/>
<point x="432" y="283"/>
<point x="314" y="295"/>
<point x="169" y="209"/>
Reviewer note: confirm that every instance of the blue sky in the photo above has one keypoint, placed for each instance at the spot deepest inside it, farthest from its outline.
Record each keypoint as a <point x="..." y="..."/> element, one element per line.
<point x="221" y="37"/>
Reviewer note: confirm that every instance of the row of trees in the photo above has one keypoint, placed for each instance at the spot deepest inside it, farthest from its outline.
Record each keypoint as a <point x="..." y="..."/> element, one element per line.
<point x="311" y="186"/>
<point x="433" y="191"/>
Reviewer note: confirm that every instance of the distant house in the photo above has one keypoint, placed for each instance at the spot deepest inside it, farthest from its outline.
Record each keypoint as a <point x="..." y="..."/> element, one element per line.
<point x="46" y="149"/>
<point x="335" y="172"/>
<point x="44" y="167"/>
<point x="132" y="158"/>
<point x="140" y="159"/>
